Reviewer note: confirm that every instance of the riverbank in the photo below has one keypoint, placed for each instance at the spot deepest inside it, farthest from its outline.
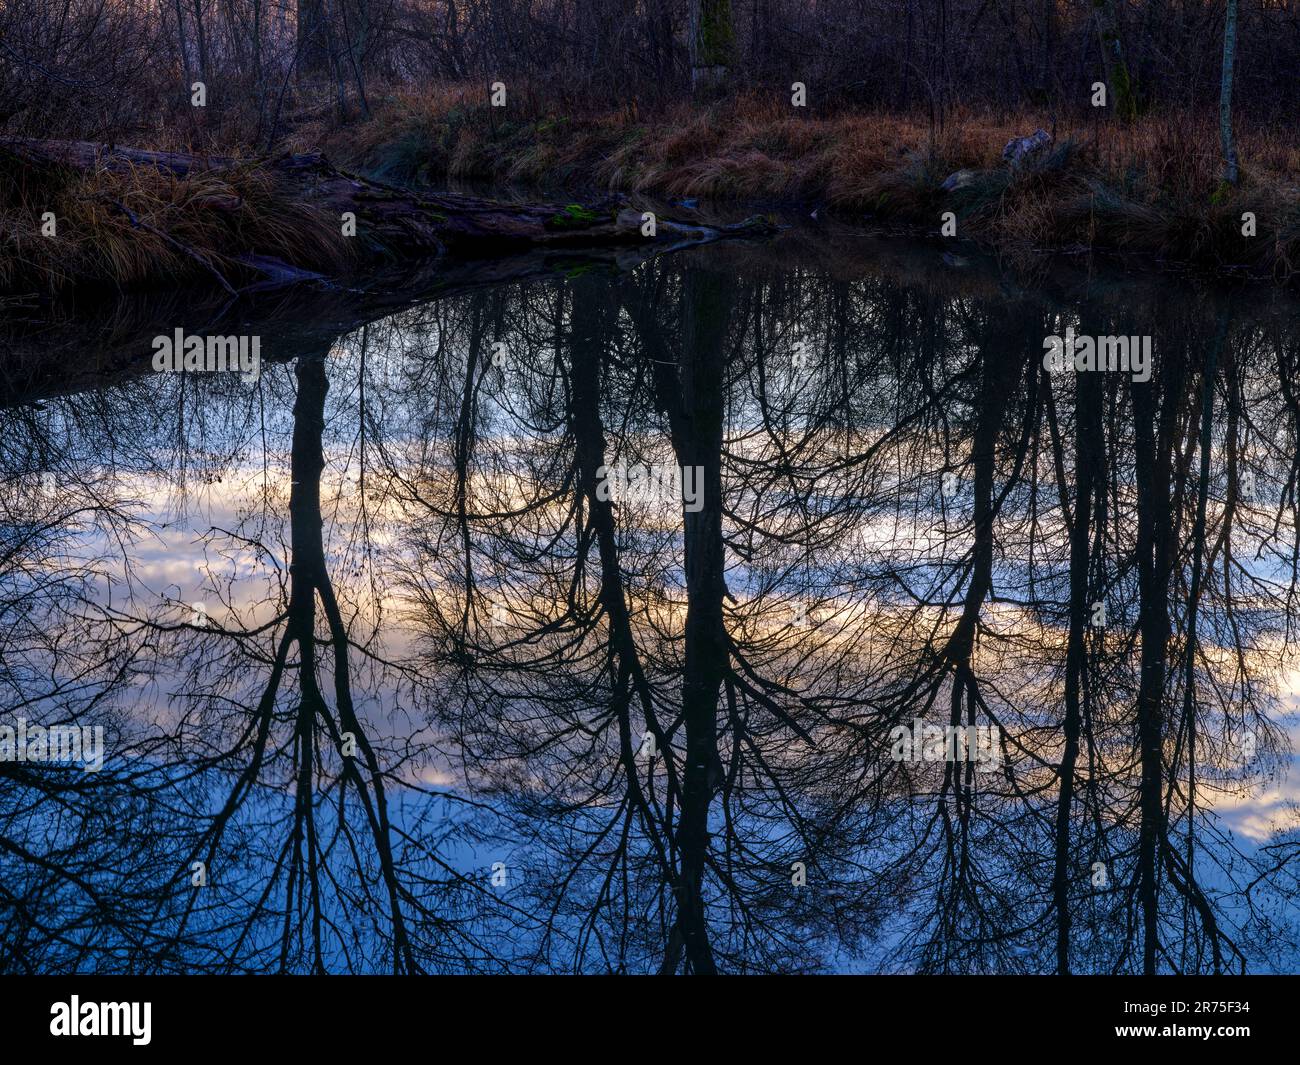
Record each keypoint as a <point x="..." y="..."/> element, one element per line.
<point x="1151" y="189"/>
<point x="82" y="213"/>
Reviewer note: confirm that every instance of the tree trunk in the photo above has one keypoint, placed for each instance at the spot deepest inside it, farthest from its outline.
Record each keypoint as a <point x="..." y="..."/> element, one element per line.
<point x="313" y="48"/>
<point x="1114" y="59"/>
<point x="712" y="43"/>
<point x="201" y="37"/>
<point x="184" y="45"/>
<point x="1230" y="174"/>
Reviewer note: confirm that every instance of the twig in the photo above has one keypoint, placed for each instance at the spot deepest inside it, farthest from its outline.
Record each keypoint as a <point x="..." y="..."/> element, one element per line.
<point x="191" y="252"/>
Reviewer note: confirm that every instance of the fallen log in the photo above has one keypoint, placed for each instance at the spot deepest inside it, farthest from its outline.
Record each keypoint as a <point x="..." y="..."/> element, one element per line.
<point x="405" y="222"/>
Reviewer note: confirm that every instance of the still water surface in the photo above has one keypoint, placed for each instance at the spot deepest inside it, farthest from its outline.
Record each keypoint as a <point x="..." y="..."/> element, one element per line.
<point x="383" y="655"/>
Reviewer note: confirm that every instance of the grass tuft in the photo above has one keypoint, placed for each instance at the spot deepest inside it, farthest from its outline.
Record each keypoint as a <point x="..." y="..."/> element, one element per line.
<point x="141" y="227"/>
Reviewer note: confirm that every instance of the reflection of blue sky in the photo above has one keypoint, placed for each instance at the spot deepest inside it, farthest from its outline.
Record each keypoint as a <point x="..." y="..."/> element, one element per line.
<point x="186" y="558"/>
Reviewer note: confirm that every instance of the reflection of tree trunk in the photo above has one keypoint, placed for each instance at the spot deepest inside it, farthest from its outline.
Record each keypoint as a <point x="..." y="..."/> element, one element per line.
<point x="593" y="323"/>
<point x="307" y="565"/>
<point x="309" y="577"/>
<point x="983" y="456"/>
<point x="1155" y="445"/>
<point x="707" y="300"/>
<point x="1184" y="877"/>
<point x="997" y="384"/>
<point x="694" y="400"/>
<point x="463" y="445"/>
<point x="1088" y="478"/>
<point x="1004" y="330"/>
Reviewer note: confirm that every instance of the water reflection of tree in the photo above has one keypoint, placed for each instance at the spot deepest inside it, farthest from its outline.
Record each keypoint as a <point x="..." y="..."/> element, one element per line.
<point x="74" y="888"/>
<point x="834" y="585"/>
<point x="241" y="744"/>
<point x="1083" y="850"/>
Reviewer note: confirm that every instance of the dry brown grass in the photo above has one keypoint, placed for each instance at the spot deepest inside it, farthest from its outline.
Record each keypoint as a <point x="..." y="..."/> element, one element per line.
<point x="1152" y="188"/>
<point x="139" y="226"/>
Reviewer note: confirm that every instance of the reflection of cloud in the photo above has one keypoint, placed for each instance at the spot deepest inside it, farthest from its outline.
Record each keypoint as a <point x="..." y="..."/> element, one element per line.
<point x="1261" y="813"/>
<point x="437" y="778"/>
<point x="200" y="549"/>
